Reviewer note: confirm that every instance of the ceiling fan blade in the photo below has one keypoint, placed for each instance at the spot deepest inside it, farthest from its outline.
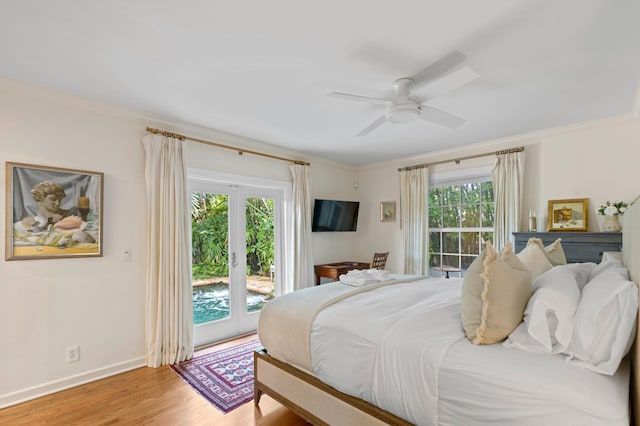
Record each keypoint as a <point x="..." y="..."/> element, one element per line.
<point x="437" y="116"/>
<point x="449" y="83"/>
<point x="379" y="121"/>
<point x="438" y="68"/>
<point x="367" y="99"/>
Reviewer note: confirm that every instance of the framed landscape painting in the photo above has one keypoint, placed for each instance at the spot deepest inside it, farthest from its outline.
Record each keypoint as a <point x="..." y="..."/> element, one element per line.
<point x="568" y="215"/>
<point x="52" y="212"/>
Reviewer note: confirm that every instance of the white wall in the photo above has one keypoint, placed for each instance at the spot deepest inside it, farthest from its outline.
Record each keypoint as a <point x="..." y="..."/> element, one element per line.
<point x="592" y="160"/>
<point x="98" y="303"/>
<point x="598" y="162"/>
<point x="335" y="183"/>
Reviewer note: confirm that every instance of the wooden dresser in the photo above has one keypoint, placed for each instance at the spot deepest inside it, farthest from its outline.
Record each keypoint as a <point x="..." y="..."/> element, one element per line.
<point x="577" y="246"/>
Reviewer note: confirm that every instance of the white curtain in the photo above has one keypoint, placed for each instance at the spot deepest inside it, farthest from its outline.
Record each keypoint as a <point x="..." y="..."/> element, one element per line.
<point x="414" y="190"/>
<point x="508" y="181"/>
<point x="301" y="257"/>
<point x="169" y="310"/>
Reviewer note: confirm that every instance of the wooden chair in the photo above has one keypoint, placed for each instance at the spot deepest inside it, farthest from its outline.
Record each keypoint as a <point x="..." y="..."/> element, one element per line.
<point x="379" y="260"/>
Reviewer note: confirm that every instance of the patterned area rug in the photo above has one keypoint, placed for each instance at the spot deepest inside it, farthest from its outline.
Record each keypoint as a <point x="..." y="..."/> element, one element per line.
<point x="224" y="378"/>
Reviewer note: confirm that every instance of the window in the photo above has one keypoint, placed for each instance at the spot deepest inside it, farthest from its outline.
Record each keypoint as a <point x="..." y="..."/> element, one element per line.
<point x="461" y="219"/>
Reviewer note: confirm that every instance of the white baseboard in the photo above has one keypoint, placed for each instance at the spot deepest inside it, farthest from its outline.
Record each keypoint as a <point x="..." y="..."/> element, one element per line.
<point x="17" y="397"/>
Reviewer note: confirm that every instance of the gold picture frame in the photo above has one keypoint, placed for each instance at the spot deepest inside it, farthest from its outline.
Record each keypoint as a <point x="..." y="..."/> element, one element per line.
<point x="387" y="211"/>
<point x="568" y="215"/>
<point x="52" y="212"/>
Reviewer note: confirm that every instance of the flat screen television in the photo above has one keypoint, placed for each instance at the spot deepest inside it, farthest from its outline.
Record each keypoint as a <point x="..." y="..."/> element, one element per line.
<point x="335" y="216"/>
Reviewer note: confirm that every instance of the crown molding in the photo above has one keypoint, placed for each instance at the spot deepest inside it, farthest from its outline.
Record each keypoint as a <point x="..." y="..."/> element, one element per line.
<point x="523" y="139"/>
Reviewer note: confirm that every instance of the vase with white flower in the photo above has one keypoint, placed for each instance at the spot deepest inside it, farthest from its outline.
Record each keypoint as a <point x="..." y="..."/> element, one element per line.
<point x="611" y="210"/>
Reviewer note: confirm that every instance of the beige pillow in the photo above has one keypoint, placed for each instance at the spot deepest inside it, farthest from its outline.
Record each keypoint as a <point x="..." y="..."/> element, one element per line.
<point x="534" y="258"/>
<point x="495" y="292"/>
<point x="554" y="251"/>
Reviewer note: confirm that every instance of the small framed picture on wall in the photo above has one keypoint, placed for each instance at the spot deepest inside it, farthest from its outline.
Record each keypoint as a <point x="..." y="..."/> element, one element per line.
<point x="388" y="211"/>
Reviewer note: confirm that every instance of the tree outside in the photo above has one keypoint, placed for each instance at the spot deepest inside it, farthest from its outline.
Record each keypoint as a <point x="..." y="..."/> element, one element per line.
<point x="210" y="239"/>
<point x="461" y="220"/>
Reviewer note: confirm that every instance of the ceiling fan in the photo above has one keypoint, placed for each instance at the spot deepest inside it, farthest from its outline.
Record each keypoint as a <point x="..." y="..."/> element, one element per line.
<point x="441" y="77"/>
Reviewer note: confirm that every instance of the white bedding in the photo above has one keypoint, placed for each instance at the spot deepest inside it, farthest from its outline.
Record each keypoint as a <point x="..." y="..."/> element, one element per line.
<point x="407" y="354"/>
<point x="526" y="389"/>
<point x="381" y="346"/>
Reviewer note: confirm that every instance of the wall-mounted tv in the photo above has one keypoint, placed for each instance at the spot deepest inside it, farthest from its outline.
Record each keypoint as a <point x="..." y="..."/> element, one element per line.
<point x="335" y="216"/>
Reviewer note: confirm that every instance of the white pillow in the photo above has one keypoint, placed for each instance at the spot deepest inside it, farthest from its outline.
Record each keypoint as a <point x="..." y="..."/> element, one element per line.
<point x="548" y="318"/>
<point x="611" y="255"/>
<point x="521" y="339"/>
<point x="580" y="271"/>
<point x="605" y="322"/>
<point x="534" y="258"/>
<point x="610" y="264"/>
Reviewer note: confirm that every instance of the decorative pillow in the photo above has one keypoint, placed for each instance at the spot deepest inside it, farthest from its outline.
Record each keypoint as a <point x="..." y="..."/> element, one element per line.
<point x="495" y="291"/>
<point x="605" y="322"/>
<point x="548" y="318"/>
<point x="554" y="251"/>
<point x="534" y="258"/>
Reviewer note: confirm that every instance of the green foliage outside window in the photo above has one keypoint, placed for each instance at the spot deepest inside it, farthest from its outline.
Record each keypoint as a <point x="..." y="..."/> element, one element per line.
<point x="260" y="250"/>
<point x="210" y="239"/>
<point x="461" y="219"/>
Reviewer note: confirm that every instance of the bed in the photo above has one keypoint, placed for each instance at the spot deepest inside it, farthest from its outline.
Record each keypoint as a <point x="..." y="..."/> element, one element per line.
<point x="325" y="366"/>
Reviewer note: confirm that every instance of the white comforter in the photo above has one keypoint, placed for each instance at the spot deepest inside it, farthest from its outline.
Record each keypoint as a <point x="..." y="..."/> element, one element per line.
<point x="386" y="346"/>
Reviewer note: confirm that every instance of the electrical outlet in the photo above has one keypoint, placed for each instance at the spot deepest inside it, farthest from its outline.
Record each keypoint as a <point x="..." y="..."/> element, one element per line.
<point x="73" y="354"/>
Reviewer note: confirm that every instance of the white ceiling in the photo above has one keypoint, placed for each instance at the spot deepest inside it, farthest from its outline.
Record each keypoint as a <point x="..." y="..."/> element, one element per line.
<point x="263" y="69"/>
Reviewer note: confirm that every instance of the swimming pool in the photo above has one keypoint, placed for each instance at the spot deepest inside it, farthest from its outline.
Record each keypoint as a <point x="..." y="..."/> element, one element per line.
<point x="211" y="302"/>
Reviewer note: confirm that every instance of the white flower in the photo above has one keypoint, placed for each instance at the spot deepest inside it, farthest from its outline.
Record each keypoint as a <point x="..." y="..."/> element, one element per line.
<point x="612" y="208"/>
<point x="610" y="211"/>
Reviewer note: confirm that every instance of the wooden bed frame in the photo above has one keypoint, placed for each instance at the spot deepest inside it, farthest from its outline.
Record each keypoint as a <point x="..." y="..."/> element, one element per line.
<point x="312" y="399"/>
<point x="320" y="404"/>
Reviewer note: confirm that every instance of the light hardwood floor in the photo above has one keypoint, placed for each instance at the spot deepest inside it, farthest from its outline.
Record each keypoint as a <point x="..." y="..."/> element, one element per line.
<point x="144" y="396"/>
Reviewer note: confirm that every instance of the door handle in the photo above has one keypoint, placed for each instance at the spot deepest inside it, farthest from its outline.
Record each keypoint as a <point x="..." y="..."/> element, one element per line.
<point x="234" y="260"/>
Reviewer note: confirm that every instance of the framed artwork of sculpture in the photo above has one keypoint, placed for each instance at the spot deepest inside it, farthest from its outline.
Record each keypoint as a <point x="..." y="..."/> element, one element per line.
<point x="52" y="212"/>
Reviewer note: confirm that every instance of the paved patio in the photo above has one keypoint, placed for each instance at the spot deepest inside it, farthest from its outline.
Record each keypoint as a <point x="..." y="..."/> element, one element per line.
<point x="255" y="283"/>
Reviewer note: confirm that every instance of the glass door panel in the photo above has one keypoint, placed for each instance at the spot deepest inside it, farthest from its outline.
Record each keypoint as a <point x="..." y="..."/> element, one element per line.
<point x="211" y="263"/>
<point x="210" y="256"/>
<point x="260" y="251"/>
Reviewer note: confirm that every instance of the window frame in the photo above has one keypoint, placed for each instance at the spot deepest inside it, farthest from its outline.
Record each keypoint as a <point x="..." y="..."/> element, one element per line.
<point x="463" y="258"/>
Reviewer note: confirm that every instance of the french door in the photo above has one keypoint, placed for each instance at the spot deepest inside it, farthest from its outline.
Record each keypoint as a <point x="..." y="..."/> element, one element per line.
<point x="235" y="261"/>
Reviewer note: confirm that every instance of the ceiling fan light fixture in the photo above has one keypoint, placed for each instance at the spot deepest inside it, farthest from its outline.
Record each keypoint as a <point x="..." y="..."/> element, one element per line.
<point x="402" y="113"/>
<point x="441" y="77"/>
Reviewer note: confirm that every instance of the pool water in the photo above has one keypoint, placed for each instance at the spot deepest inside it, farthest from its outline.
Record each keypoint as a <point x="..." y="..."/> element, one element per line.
<point x="211" y="302"/>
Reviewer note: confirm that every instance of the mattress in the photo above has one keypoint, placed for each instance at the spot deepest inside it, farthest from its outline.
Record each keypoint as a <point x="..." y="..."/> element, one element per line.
<point x="402" y="348"/>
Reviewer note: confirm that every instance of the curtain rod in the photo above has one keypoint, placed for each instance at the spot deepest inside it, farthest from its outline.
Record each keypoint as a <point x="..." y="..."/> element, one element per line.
<point x="458" y="160"/>
<point x="219" y="145"/>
